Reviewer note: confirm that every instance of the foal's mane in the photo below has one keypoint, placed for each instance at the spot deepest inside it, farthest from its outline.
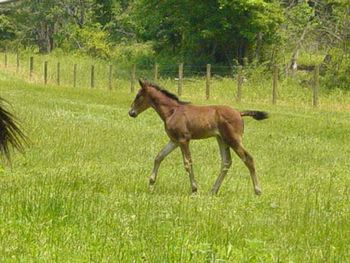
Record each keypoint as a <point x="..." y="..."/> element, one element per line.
<point x="167" y="93"/>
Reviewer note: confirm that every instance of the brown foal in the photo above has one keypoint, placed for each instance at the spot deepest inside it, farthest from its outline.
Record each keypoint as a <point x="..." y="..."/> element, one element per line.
<point x="184" y="122"/>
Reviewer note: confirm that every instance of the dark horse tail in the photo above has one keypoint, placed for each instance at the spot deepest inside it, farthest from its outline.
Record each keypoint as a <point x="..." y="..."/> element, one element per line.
<point x="10" y="133"/>
<point x="257" y="115"/>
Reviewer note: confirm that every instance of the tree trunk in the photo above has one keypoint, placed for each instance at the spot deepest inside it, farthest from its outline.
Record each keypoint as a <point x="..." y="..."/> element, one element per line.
<point x="258" y="47"/>
<point x="45" y="37"/>
<point x="293" y="62"/>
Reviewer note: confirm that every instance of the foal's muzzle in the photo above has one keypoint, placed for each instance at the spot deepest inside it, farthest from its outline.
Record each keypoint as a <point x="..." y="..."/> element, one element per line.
<point x="132" y="113"/>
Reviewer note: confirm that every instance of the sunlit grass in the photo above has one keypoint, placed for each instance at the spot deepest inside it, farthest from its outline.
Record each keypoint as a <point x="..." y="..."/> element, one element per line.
<point x="80" y="192"/>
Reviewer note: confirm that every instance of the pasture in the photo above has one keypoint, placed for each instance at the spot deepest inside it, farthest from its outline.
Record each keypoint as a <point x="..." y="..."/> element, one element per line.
<point x="80" y="193"/>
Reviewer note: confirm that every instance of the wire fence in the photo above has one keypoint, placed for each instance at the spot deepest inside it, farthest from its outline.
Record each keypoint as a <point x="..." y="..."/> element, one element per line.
<point x="88" y="73"/>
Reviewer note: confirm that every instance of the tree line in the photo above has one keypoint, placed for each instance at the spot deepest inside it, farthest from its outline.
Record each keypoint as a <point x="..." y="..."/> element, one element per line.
<point x="197" y="32"/>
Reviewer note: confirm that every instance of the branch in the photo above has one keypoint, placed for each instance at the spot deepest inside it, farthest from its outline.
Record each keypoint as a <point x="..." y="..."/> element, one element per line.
<point x="125" y="32"/>
<point x="331" y="33"/>
<point x="7" y="1"/>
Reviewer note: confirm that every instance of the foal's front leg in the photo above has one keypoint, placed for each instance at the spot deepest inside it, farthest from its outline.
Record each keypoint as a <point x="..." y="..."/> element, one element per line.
<point x="188" y="164"/>
<point x="160" y="157"/>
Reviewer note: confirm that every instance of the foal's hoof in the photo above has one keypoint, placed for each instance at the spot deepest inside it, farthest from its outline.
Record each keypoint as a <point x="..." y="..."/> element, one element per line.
<point x="257" y="191"/>
<point x="193" y="191"/>
<point x="151" y="184"/>
<point x="151" y="181"/>
<point x="151" y="188"/>
<point x="213" y="193"/>
<point x="194" y="194"/>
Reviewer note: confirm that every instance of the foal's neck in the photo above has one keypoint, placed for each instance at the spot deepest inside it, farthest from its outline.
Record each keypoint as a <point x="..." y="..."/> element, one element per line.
<point x="163" y="105"/>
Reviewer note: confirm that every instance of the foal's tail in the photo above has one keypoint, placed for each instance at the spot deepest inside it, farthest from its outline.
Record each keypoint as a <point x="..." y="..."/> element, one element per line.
<point x="10" y="133"/>
<point x="257" y="115"/>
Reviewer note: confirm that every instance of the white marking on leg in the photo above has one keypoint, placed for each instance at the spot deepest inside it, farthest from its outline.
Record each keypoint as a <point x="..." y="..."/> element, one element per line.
<point x="225" y="164"/>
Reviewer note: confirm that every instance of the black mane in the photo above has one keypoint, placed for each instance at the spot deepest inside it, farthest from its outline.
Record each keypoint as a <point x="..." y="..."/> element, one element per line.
<point x="167" y="93"/>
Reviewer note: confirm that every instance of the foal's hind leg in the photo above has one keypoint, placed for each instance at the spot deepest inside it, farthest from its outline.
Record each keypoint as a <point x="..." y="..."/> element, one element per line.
<point x="225" y="164"/>
<point x="188" y="164"/>
<point x="249" y="162"/>
<point x="160" y="157"/>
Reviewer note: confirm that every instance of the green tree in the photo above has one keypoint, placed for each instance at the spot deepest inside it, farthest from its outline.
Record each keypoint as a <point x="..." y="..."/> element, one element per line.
<point x="213" y="30"/>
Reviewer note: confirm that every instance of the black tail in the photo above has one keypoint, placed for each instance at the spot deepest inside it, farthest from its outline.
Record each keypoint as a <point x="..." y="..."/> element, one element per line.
<point x="257" y="115"/>
<point x="10" y="133"/>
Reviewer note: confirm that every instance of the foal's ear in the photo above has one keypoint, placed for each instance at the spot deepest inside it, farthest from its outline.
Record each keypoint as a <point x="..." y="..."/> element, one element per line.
<point x="142" y="84"/>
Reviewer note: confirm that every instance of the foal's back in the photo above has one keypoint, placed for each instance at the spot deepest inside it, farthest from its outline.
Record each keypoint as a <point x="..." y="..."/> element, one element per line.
<point x="199" y="122"/>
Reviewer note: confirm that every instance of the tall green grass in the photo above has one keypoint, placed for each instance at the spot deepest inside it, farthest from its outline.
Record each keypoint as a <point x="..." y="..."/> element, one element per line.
<point x="80" y="192"/>
<point x="83" y="74"/>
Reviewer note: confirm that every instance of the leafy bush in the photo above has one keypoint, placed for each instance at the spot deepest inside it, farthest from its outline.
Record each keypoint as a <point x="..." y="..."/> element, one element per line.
<point x="308" y="59"/>
<point x="141" y="54"/>
<point x="91" y="40"/>
<point x="7" y="32"/>
<point x="337" y="73"/>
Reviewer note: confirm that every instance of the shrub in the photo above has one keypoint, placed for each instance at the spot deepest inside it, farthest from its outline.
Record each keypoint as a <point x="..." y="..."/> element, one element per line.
<point x="141" y="54"/>
<point x="90" y="40"/>
<point x="337" y="69"/>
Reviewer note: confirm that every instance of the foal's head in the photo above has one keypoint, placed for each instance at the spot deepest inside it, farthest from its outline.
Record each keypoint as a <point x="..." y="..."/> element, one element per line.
<point x="150" y="93"/>
<point x="140" y="102"/>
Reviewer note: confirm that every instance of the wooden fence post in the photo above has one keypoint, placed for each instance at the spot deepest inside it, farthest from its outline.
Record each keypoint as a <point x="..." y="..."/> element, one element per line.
<point x="31" y="66"/>
<point x="92" y="77"/>
<point x="274" y="84"/>
<point x="5" y="60"/>
<point x="316" y="85"/>
<point x="286" y="69"/>
<point x="156" y="72"/>
<point x="239" y="83"/>
<point x="75" y="75"/>
<point x="110" y="77"/>
<point x="45" y="72"/>
<point x="58" y="73"/>
<point x="133" y="77"/>
<point x="179" y="84"/>
<point x="17" y="62"/>
<point x="245" y="61"/>
<point x="207" y="90"/>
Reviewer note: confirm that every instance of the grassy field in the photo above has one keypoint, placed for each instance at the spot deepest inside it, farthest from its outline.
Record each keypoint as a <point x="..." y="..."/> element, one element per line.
<point x="80" y="193"/>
